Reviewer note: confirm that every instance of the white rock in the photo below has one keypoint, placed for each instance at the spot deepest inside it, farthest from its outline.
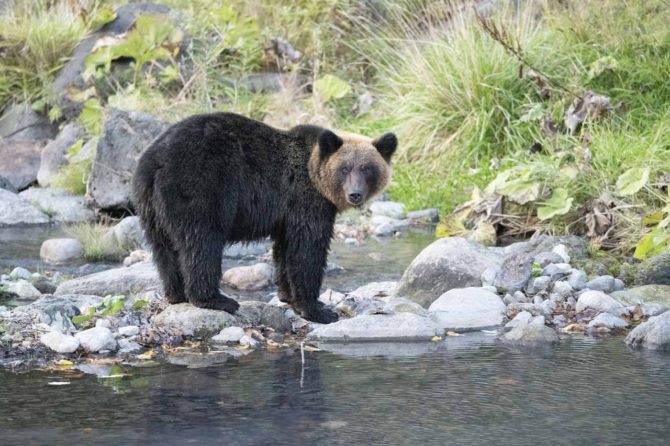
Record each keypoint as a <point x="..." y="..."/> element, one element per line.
<point x="63" y="207"/>
<point x="375" y="290"/>
<point x="608" y="320"/>
<point x="248" y="340"/>
<point x="229" y="334"/>
<point x="59" y="342"/>
<point x="61" y="250"/>
<point x="330" y="297"/>
<point x="249" y="278"/>
<point x="562" y="251"/>
<point x="464" y="309"/>
<point x="103" y="323"/>
<point x="15" y="210"/>
<point x="522" y="318"/>
<point x="134" y="279"/>
<point x="378" y="327"/>
<point x="599" y="301"/>
<point x="96" y="339"/>
<point x="388" y="209"/>
<point x="653" y="334"/>
<point x="25" y="290"/>
<point x="561" y="290"/>
<point x="20" y="273"/>
<point x="130" y="330"/>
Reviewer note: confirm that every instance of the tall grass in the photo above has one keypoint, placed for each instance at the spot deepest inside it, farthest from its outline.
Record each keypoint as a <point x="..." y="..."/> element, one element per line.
<point x="98" y="241"/>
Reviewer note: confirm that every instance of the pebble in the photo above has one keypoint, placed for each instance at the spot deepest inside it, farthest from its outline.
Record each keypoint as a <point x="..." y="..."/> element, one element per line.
<point x="130" y="330"/>
<point x="562" y="251"/>
<point x="577" y="279"/>
<point x="59" y="342"/>
<point x="556" y="271"/>
<point x="96" y="339"/>
<point x="19" y="273"/>
<point x="539" y="284"/>
<point x="601" y="283"/>
<point x="229" y="334"/>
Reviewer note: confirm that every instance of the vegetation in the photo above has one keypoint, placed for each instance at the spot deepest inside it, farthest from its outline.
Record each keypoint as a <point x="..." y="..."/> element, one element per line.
<point x="549" y="116"/>
<point x="99" y="243"/>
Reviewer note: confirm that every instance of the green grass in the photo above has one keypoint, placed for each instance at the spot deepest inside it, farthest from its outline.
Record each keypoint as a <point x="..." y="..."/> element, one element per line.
<point x="99" y="244"/>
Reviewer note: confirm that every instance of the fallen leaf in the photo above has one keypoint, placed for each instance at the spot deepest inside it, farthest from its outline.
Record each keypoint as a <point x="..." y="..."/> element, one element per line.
<point x="453" y="333"/>
<point x="436" y="338"/>
<point x="58" y="383"/>
<point x="146" y="355"/>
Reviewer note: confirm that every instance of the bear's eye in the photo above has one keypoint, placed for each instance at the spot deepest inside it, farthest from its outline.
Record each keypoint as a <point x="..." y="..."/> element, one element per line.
<point x="365" y="169"/>
<point x="345" y="169"/>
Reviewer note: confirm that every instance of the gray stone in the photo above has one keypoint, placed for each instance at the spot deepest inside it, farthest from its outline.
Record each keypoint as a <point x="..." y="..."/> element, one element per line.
<point x="521" y="297"/>
<point x="547" y="257"/>
<point x="522" y="318"/>
<point x="187" y="320"/>
<point x="7" y="185"/>
<point x="53" y="155"/>
<point x="556" y="271"/>
<point x="514" y="273"/>
<point x="560" y="291"/>
<point x="489" y="276"/>
<point x="468" y="309"/>
<point x="328" y="297"/>
<point x="446" y="264"/>
<point x="375" y="290"/>
<point x="548" y="307"/>
<point x="609" y="321"/>
<point x="562" y="251"/>
<point x="20" y="161"/>
<point x="129" y="330"/>
<point x="127" y="347"/>
<point x="23" y="289"/>
<point x="396" y="327"/>
<point x="133" y="279"/>
<point x="653" y="334"/>
<point x="654" y="271"/>
<point x="59" y="342"/>
<point x="599" y="301"/>
<point x="241" y="250"/>
<point x="601" y="283"/>
<point x="228" y="334"/>
<point x="388" y="208"/>
<point x="385" y="226"/>
<point x="20" y="273"/>
<point x="659" y="294"/>
<point x="136" y="256"/>
<point x="275" y="318"/>
<point x="59" y="204"/>
<point x="249" y="278"/>
<point x="576" y="246"/>
<point x="125" y="136"/>
<point x="577" y="279"/>
<point x="403" y="305"/>
<point x="426" y="215"/>
<point x="539" y="284"/>
<point x="248" y="340"/>
<point x="21" y="122"/>
<point x="14" y="210"/>
<point x="652" y="309"/>
<point x="538" y="299"/>
<point x="61" y="250"/>
<point x="509" y="299"/>
<point x="54" y="311"/>
<point x="95" y="339"/>
<point x="533" y="332"/>
<point x="129" y="234"/>
<point x="514" y="309"/>
<point x="619" y="285"/>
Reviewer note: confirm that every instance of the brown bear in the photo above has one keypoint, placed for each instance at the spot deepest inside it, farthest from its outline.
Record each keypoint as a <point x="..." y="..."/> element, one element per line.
<point x="215" y="179"/>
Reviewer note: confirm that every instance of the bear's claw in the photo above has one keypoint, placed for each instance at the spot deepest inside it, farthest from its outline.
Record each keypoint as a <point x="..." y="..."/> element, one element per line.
<point x="219" y="302"/>
<point x="321" y="315"/>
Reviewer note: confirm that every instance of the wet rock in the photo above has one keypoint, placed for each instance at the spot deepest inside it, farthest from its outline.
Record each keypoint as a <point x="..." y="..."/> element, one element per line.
<point x="601" y="283"/>
<point x="609" y="321"/>
<point x="129" y="330"/>
<point x="96" y="339"/>
<point x="426" y="215"/>
<point x="228" y="334"/>
<point x="659" y="294"/>
<point x="44" y="285"/>
<point x="396" y="327"/>
<point x="249" y="278"/>
<point x="14" y="210"/>
<point x="23" y="289"/>
<point x="21" y="122"/>
<point x="577" y="279"/>
<point x="59" y="204"/>
<point x="53" y="156"/>
<point x="548" y="257"/>
<point x="242" y="250"/>
<point x="514" y="273"/>
<point x="653" y="334"/>
<point x="446" y="264"/>
<point x="468" y="309"/>
<point x="522" y="318"/>
<point x="125" y="136"/>
<point x="654" y="271"/>
<point x="131" y="280"/>
<point x="386" y="226"/>
<point x="532" y="332"/>
<point x="59" y="342"/>
<point x="599" y="301"/>
<point x="575" y="246"/>
<point x="20" y="161"/>
<point x="187" y="320"/>
<point x="556" y="271"/>
<point x="388" y="208"/>
<point x="20" y="273"/>
<point x="61" y="250"/>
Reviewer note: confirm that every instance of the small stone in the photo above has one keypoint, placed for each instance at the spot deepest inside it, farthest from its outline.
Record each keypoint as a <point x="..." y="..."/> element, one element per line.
<point x="599" y="301"/>
<point x="19" y="273"/>
<point x="513" y="309"/>
<point x="548" y="307"/>
<point x="509" y="299"/>
<point x="537" y="299"/>
<point x="577" y="279"/>
<point x="560" y="291"/>
<point x="130" y="330"/>
<point x="248" y="340"/>
<point x="127" y="347"/>
<point x="229" y="334"/>
<point x="59" y="342"/>
<point x="532" y="333"/>
<point x="61" y="250"/>
<point x="539" y="284"/>
<point x="514" y="273"/>
<point x="23" y="289"/>
<point x="601" y="283"/>
<point x="562" y="251"/>
<point x="547" y="258"/>
<point x="96" y="339"/>
<point x="556" y="271"/>
<point x="428" y="215"/>
<point x="106" y="323"/>
<point x="522" y="318"/>
<point x="608" y="320"/>
<point x="388" y="208"/>
<point x="489" y="276"/>
<point x="249" y="278"/>
<point x="44" y="285"/>
<point x="351" y="241"/>
<point x="571" y="302"/>
<point x="386" y="226"/>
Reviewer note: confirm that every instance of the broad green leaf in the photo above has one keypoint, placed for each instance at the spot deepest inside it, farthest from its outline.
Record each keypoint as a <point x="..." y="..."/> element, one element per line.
<point x="76" y="147"/>
<point x="139" y="304"/>
<point x="113" y="309"/>
<point x="91" y="116"/>
<point x="102" y="16"/>
<point x="632" y="181"/>
<point x="517" y="184"/>
<point x="534" y="113"/>
<point x="655" y="243"/>
<point x="80" y="319"/>
<point x="558" y="204"/>
<point x="331" y="87"/>
<point x="601" y="65"/>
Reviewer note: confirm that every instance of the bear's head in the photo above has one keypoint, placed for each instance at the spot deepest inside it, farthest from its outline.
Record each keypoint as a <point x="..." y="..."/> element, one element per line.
<point x="349" y="169"/>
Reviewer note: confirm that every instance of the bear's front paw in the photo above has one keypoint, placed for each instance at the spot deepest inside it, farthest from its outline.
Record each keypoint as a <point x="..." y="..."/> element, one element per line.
<point x="321" y="315"/>
<point x="219" y="302"/>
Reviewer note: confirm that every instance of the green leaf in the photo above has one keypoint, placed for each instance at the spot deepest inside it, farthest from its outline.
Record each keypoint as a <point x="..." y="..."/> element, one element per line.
<point x="558" y="204"/>
<point x="76" y="147"/>
<point x="331" y="87"/>
<point x="655" y="243"/>
<point x="534" y="113"/>
<point x="102" y="16"/>
<point x="82" y="318"/>
<point x="113" y="308"/>
<point x="139" y="304"/>
<point x="632" y="181"/>
<point x="91" y="116"/>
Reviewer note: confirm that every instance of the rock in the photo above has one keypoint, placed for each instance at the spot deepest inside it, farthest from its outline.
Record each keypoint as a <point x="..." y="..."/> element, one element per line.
<point x="509" y="299"/>
<point x="20" y="122"/>
<point x="7" y="185"/>
<point x="270" y="82"/>
<point x="522" y="318"/>
<point x="59" y="342"/>
<point x="539" y="284"/>
<point x="61" y="250"/>
<point x="241" y="250"/>
<point x="445" y="264"/>
<point x="187" y="320"/>
<point x="44" y="285"/>
<point x="331" y="297"/>
<point x="577" y="279"/>
<point x="560" y="291"/>
<point x="513" y="309"/>
<point x="548" y="307"/>
<point x="514" y="273"/>
<point x="548" y="257"/>
<point x="653" y="334"/>
<point x="249" y="278"/>
<point x="601" y="283"/>
<point x="275" y="318"/>
<point x="426" y="215"/>
<point x="228" y="334"/>
<point x="20" y="161"/>
<point x="489" y="276"/>
<point x="20" y="273"/>
<point x="375" y="290"/>
<point x="619" y="285"/>
<point x="599" y="301"/>
<point x="659" y="294"/>
<point x="403" y="305"/>
<point x="532" y="332"/>
<point x="55" y="311"/>
<point x="53" y="156"/>
<point x="556" y="271"/>
<point x="248" y="340"/>
<point x="652" y="309"/>
<point x="607" y="320"/>
<point x="562" y="251"/>
<point x="538" y="299"/>
<point x="105" y="322"/>
<point x="130" y="330"/>
<point x="468" y="309"/>
<point x="59" y="204"/>
<point x="23" y="289"/>
<point x="95" y="339"/>
<point x="136" y="256"/>
<point x="14" y="210"/>
<point x="575" y="246"/>
<point x="386" y="226"/>
<point x="129" y="234"/>
<point x="127" y="347"/>
<point x="654" y="271"/>
<point x="376" y="327"/>
<point x="131" y="280"/>
<point x="388" y="208"/>
<point x="521" y="297"/>
<point x="125" y="136"/>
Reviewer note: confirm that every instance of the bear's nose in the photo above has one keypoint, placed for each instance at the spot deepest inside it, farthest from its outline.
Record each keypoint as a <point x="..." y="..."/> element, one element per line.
<point x="355" y="197"/>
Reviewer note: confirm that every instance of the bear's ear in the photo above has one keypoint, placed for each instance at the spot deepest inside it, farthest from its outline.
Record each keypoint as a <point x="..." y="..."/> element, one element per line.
<point x="329" y="142"/>
<point x="386" y="145"/>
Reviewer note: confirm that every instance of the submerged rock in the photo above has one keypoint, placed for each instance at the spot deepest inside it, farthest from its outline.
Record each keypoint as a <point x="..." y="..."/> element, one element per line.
<point x="249" y="278"/>
<point x="133" y="279"/>
<point x="59" y="342"/>
<point x="396" y="327"/>
<point x="61" y="250"/>
<point x="653" y="334"/>
<point x="466" y="309"/>
<point x="531" y="332"/>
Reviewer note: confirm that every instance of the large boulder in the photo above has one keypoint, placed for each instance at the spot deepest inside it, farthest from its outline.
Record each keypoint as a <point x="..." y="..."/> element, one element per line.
<point x="20" y="161"/>
<point x="54" y="154"/>
<point x="468" y="309"/>
<point x="14" y="210"/>
<point x="446" y="264"/>
<point x="653" y="334"/>
<point x="59" y="204"/>
<point x="378" y="327"/>
<point x="125" y="136"/>
<point x="21" y="122"/>
<point x="645" y="294"/>
<point x="125" y="280"/>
